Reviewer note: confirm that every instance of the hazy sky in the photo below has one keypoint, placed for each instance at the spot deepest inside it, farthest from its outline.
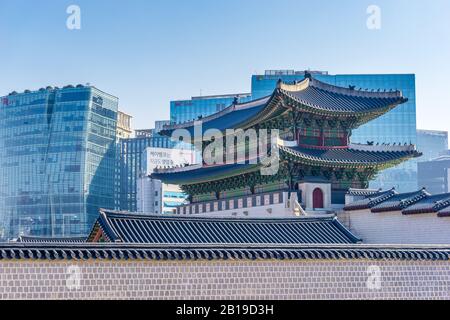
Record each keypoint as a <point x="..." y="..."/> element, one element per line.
<point x="149" y="52"/>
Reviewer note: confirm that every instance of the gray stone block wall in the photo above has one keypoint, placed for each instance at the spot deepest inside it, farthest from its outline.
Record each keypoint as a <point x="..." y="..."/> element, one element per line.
<point x="241" y="279"/>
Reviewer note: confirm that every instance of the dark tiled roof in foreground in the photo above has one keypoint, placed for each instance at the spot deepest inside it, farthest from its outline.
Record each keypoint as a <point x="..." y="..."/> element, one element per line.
<point x="32" y="239"/>
<point x="129" y="228"/>
<point x="418" y="202"/>
<point x="348" y="156"/>
<point x="117" y="252"/>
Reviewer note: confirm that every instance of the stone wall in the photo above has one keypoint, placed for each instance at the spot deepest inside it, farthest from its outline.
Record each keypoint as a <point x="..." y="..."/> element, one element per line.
<point x="240" y="279"/>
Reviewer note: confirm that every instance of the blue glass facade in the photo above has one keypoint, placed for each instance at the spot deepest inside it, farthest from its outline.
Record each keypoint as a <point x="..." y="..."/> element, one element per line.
<point x="187" y="110"/>
<point x="397" y="126"/>
<point x="432" y="144"/>
<point x="130" y="167"/>
<point x="57" y="156"/>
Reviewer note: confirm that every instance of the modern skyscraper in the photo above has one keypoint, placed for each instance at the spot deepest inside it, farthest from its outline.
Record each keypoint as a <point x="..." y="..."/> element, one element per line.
<point x="432" y="144"/>
<point x="187" y="110"/>
<point x="435" y="175"/>
<point x="149" y="195"/>
<point x="124" y="130"/>
<point x="130" y="165"/>
<point x="57" y="158"/>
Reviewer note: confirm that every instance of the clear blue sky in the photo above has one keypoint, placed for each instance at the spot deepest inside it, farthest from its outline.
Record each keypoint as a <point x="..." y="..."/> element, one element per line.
<point x="149" y="52"/>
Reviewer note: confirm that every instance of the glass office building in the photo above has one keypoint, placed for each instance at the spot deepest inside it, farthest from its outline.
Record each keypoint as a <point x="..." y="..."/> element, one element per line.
<point x="131" y="165"/>
<point x="397" y="126"/>
<point x="432" y="144"/>
<point x="435" y="175"/>
<point x="187" y="110"/>
<point x="57" y="158"/>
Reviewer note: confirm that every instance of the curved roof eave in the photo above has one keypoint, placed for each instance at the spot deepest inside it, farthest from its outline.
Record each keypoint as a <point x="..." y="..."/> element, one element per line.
<point x="391" y="158"/>
<point x="234" y="108"/>
<point x="206" y="174"/>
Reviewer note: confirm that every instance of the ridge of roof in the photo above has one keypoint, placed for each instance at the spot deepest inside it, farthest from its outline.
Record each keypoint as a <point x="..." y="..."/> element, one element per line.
<point x="402" y="200"/>
<point x="193" y="252"/>
<point x="41" y="239"/>
<point x="356" y="93"/>
<point x="410" y="203"/>
<point x="233" y="107"/>
<point x="108" y="214"/>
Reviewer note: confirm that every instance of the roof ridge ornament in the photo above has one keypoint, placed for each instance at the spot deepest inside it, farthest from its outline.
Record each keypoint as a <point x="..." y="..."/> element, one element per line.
<point x="279" y="83"/>
<point x="308" y="75"/>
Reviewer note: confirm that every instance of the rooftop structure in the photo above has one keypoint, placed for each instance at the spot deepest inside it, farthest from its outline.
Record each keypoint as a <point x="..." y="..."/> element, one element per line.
<point x="124" y="130"/>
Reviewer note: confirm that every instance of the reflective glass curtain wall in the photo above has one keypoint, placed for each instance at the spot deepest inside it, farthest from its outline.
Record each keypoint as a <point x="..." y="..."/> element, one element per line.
<point x="187" y="110"/>
<point x="57" y="157"/>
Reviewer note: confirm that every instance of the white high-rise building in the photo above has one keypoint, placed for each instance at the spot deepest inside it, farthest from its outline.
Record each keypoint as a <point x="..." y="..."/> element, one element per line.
<point x="149" y="195"/>
<point x="152" y="195"/>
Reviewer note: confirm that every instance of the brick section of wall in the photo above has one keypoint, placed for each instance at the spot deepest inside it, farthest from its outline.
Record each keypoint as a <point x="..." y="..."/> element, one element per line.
<point x="301" y="279"/>
<point x="396" y="228"/>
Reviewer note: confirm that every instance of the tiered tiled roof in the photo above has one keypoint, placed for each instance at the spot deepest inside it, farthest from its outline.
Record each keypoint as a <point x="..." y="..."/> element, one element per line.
<point x="408" y="203"/>
<point x="127" y="228"/>
<point x="310" y="96"/>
